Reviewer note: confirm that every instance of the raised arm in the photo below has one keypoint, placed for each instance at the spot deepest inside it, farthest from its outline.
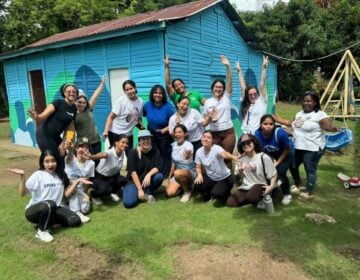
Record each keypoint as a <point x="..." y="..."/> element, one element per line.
<point x="241" y="79"/>
<point x="263" y="76"/>
<point x="49" y="110"/>
<point x="226" y="62"/>
<point x="97" y="92"/>
<point x="170" y="90"/>
<point x="22" y="189"/>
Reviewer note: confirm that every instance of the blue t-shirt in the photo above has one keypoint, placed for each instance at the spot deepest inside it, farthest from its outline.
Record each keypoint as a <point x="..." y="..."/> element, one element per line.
<point x="158" y="116"/>
<point x="274" y="146"/>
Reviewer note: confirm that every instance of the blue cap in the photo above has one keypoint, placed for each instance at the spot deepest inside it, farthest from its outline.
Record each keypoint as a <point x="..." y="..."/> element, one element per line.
<point x="144" y="133"/>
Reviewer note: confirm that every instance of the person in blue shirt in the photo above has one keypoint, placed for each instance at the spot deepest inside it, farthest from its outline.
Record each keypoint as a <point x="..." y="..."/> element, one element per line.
<point x="158" y="112"/>
<point x="276" y="142"/>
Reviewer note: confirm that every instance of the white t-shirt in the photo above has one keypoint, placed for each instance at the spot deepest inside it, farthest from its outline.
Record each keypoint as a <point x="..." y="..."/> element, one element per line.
<point x="251" y="121"/>
<point x="308" y="134"/>
<point x="254" y="171"/>
<point x="213" y="164"/>
<point x="192" y="120"/>
<point x="75" y="169"/>
<point x="127" y="113"/>
<point x="44" y="186"/>
<point x="178" y="152"/>
<point x="112" y="164"/>
<point x="223" y="112"/>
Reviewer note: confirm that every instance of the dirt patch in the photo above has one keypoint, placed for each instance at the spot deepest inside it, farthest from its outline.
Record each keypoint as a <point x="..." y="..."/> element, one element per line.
<point x="214" y="262"/>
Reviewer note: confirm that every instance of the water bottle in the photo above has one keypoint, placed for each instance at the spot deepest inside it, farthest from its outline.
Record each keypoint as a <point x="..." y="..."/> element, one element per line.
<point x="269" y="206"/>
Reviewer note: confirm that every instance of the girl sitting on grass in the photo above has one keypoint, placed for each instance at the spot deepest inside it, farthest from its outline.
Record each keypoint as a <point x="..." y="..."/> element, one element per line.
<point x="46" y="186"/>
<point x="182" y="171"/>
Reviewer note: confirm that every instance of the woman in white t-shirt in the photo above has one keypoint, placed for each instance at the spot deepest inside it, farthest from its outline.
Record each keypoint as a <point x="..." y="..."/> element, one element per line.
<point x="77" y="166"/>
<point x="191" y="119"/>
<point x="125" y="115"/>
<point x="108" y="180"/>
<point x="46" y="186"/>
<point x="257" y="170"/>
<point x="253" y="105"/>
<point x="218" y="109"/>
<point x="182" y="171"/>
<point x="213" y="177"/>
<point x="309" y="128"/>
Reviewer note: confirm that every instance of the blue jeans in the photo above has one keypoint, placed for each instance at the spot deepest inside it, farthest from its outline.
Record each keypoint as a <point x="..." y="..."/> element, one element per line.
<point x="130" y="193"/>
<point x="311" y="161"/>
<point x="282" y="168"/>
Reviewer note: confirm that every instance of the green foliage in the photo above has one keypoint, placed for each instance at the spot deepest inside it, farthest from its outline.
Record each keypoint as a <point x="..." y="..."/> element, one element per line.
<point x="305" y="30"/>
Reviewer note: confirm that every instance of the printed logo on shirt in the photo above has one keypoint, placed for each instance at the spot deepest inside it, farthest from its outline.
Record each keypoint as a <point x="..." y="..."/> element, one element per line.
<point x="70" y="114"/>
<point x="133" y="115"/>
<point x="50" y="185"/>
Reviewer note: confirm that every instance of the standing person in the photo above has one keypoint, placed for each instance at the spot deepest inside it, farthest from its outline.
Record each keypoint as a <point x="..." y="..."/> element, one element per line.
<point x="253" y="105"/>
<point x="213" y="177"/>
<point x="125" y="115"/>
<point x="182" y="171"/>
<point x="108" y="180"/>
<point x="276" y="143"/>
<point x="309" y="128"/>
<point x="158" y="112"/>
<point x="176" y="89"/>
<point x="220" y="105"/>
<point x="84" y="121"/>
<point x="191" y="119"/>
<point x="77" y="166"/>
<point x="57" y="118"/>
<point x="258" y="172"/>
<point x="46" y="186"/>
<point x="144" y="174"/>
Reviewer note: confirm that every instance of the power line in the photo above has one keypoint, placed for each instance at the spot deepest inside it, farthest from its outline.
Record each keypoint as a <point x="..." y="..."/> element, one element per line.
<point x="315" y="59"/>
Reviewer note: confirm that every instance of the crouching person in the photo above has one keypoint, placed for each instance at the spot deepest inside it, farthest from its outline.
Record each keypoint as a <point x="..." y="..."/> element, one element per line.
<point x="46" y="186"/>
<point x="217" y="181"/>
<point x="108" y="180"/>
<point x="257" y="169"/>
<point x="144" y="164"/>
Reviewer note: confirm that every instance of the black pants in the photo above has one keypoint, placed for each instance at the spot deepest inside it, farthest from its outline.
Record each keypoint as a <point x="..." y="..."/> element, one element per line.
<point x="216" y="189"/>
<point x="47" y="213"/>
<point x="242" y="197"/>
<point x="103" y="185"/>
<point x="162" y="142"/>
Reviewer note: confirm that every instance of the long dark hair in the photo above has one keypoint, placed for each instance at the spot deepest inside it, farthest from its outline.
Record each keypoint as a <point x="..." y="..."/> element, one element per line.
<point x="177" y="79"/>
<point x="59" y="171"/>
<point x="86" y="100"/>
<point x="218" y="81"/>
<point x="257" y="145"/>
<point x="155" y="88"/>
<point x="245" y="104"/>
<point x="315" y="97"/>
<point x="267" y="116"/>
<point x="131" y="83"/>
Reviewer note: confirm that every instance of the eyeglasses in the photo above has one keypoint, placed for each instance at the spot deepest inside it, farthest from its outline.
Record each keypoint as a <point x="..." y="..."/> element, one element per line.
<point x="245" y="143"/>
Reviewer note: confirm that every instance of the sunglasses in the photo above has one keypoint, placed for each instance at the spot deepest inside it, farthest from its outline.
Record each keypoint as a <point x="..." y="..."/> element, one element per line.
<point x="245" y="143"/>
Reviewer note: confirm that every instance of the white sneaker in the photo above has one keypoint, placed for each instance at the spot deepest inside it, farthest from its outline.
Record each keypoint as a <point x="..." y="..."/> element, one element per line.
<point x="150" y="198"/>
<point x="84" y="219"/>
<point x="294" y="189"/>
<point x="44" y="235"/>
<point x="97" y="201"/>
<point x="185" y="197"/>
<point x="261" y="205"/>
<point x="286" y="199"/>
<point x="115" y="197"/>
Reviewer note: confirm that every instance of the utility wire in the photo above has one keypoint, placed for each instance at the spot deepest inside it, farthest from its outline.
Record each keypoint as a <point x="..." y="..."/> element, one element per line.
<point x="315" y="59"/>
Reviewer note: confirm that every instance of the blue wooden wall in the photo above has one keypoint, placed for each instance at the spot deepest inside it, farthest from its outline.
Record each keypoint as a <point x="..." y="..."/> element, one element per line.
<point x="194" y="46"/>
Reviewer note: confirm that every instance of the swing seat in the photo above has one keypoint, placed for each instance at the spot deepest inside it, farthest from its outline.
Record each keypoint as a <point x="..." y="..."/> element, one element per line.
<point x="335" y="142"/>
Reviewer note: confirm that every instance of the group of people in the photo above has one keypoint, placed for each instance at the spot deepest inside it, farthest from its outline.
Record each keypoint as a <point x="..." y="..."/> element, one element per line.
<point x="192" y="148"/>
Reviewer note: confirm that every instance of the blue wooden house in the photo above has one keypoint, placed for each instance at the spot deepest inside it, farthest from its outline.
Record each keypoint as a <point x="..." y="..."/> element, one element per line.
<point x="193" y="34"/>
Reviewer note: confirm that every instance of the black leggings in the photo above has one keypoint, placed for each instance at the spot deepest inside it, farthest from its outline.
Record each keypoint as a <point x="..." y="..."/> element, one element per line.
<point x="216" y="189"/>
<point x="47" y="213"/>
<point x="103" y="185"/>
<point x="242" y="197"/>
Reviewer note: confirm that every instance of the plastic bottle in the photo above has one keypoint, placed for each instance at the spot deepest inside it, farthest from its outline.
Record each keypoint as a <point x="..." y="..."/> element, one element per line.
<point x="269" y="206"/>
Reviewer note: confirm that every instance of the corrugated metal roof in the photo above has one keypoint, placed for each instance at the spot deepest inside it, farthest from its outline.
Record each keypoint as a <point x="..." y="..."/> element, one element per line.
<point x="170" y="13"/>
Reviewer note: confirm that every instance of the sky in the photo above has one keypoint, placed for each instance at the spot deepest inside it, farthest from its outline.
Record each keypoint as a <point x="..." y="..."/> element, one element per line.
<point x="252" y="5"/>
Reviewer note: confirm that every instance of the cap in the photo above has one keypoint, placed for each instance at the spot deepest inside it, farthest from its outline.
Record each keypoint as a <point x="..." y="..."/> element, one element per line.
<point x="82" y="141"/>
<point x="144" y="133"/>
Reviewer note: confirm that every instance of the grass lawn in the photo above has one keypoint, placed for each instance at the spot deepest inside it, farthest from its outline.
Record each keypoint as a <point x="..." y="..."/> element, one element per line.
<point x="142" y="243"/>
